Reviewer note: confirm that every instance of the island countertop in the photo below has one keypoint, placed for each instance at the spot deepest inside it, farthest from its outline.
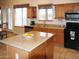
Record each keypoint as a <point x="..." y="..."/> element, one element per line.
<point x="21" y="42"/>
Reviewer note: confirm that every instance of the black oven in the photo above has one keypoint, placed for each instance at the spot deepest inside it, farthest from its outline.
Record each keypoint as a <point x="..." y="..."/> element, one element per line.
<point x="71" y="36"/>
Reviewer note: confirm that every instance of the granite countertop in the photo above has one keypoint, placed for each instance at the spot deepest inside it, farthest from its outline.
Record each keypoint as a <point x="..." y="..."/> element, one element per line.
<point x="47" y="26"/>
<point x="28" y="44"/>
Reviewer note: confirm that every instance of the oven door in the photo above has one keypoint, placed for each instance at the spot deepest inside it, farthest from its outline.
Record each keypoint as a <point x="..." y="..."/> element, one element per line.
<point x="70" y="41"/>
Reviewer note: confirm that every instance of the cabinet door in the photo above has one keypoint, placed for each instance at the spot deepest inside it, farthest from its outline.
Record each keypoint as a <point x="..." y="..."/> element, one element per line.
<point x="68" y="8"/>
<point x="53" y="31"/>
<point x="44" y="30"/>
<point x="37" y="29"/>
<point x="60" y="11"/>
<point x="39" y="52"/>
<point x="76" y="7"/>
<point x="15" y="53"/>
<point x="34" y="12"/>
<point x="21" y="54"/>
<point x="60" y="37"/>
<point x="11" y="52"/>
<point x="3" y="51"/>
<point x="49" y="49"/>
<point x="31" y="12"/>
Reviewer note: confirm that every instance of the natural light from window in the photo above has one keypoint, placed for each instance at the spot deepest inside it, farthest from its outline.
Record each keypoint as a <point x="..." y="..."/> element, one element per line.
<point x="20" y="16"/>
<point x="42" y="13"/>
<point x="0" y="16"/>
<point x="49" y="14"/>
<point x="24" y="16"/>
<point x="10" y="20"/>
<point x="45" y="14"/>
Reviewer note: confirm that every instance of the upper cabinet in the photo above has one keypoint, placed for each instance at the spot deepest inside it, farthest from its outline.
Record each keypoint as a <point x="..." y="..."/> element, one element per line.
<point x="31" y="12"/>
<point x="61" y="9"/>
<point x="76" y="7"/>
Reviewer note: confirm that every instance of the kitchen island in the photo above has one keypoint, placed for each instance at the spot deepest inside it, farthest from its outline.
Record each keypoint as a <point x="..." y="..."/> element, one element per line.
<point x="35" y="47"/>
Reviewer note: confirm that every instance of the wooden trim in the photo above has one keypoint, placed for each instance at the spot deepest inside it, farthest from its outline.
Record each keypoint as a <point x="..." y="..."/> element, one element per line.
<point x="66" y="3"/>
<point x="45" y="20"/>
<point x="31" y="7"/>
<point x="19" y="26"/>
<point x="21" y="6"/>
<point x="45" y="6"/>
<point x="59" y="18"/>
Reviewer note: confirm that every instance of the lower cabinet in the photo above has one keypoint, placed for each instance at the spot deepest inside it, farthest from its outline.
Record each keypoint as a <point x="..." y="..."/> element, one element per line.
<point x="49" y="49"/>
<point x="18" y="30"/>
<point x="3" y="51"/>
<point x="15" y="53"/>
<point x="40" y="52"/>
<point x="58" y="34"/>
<point x="60" y="37"/>
<point x="37" y="29"/>
<point x="43" y="51"/>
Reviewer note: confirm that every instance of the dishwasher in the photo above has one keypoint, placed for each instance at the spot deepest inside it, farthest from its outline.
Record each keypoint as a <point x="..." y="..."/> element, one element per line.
<point x="28" y="28"/>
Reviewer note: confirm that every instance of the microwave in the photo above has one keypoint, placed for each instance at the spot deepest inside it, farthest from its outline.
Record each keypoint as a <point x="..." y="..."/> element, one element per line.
<point x="74" y="16"/>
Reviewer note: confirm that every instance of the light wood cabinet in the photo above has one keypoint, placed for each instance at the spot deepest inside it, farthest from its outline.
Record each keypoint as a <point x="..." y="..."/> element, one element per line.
<point x="76" y="7"/>
<point x="31" y="12"/>
<point x="18" y="29"/>
<point x="15" y="53"/>
<point x="43" y="51"/>
<point x="58" y="34"/>
<point x="54" y="31"/>
<point x="60" y="37"/>
<point x="61" y="9"/>
<point x="49" y="49"/>
<point x="3" y="51"/>
<point x="68" y="8"/>
<point x="37" y="29"/>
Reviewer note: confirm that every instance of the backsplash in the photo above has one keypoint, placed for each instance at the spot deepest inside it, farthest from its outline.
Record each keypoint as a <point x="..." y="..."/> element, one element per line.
<point x="53" y="22"/>
<point x="62" y="22"/>
<point x="29" y="21"/>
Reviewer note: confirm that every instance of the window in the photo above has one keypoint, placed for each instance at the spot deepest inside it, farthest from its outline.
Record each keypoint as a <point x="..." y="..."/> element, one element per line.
<point x="0" y="16"/>
<point x="45" y="12"/>
<point x="21" y="15"/>
<point x="10" y="20"/>
<point x="5" y="18"/>
<point x="50" y="14"/>
<point x="4" y="14"/>
<point x="42" y="14"/>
